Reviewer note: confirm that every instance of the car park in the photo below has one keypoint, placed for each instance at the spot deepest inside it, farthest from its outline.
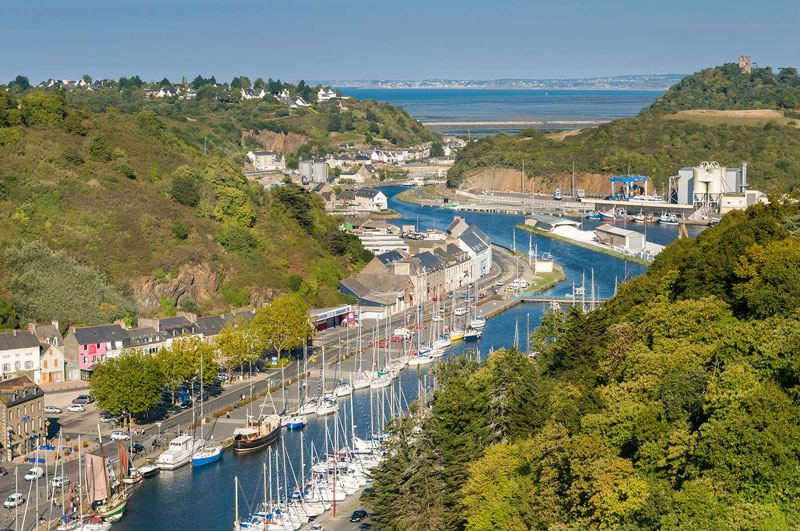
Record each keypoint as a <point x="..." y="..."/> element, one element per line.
<point x="15" y="500"/>
<point x="52" y="410"/>
<point x="34" y="473"/>
<point x="83" y="399"/>
<point x="76" y="408"/>
<point x="358" y="515"/>
<point x="59" y="482"/>
<point x="119" y="435"/>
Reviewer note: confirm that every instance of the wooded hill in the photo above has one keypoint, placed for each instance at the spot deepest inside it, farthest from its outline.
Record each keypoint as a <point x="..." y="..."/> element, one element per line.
<point x="658" y="143"/>
<point x="106" y="214"/>
<point x="727" y="87"/>
<point x="675" y="406"/>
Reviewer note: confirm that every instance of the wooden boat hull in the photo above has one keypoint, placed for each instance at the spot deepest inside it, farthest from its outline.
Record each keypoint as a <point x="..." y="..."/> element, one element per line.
<point x="244" y="446"/>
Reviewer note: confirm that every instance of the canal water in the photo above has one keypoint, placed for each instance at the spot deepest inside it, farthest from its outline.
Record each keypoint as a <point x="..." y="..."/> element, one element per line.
<point x="202" y="499"/>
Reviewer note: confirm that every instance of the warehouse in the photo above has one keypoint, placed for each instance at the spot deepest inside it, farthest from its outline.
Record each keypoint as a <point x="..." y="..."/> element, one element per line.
<point x="548" y="223"/>
<point x="617" y="237"/>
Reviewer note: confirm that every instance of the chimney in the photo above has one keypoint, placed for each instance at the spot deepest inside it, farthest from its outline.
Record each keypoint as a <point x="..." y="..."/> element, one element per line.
<point x="72" y="329"/>
<point x="32" y="327"/>
<point x="15" y="332"/>
<point x="54" y="322"/>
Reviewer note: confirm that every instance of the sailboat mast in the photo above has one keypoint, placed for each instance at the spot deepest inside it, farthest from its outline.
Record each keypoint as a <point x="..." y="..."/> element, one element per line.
<point x="236" y="498"/>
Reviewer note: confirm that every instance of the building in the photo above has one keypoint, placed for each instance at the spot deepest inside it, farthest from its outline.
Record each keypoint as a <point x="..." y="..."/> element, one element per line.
<point x="170" y="328"/>
<point x="744" y="64"/>
<point x="250" y="94"/>
<point x="379" y="243"/>
<point x="370" y="199"/>
<point x="210" y="327"/>
<point x="548" y="223"/>
<point x="741" y="200"/>
<point x="22" y="415"/>
<point x="267" y="160"/>
<point x="53" y="367"/>
<point x="325" y="318"/>
<point x="619" y="237"/>
<point x="48" y="334"/>
<point x="379" y="296"/>
<point x="19" y="353"/>
<point x="313" y="171"/>
<point x="145" y="339"/>
<point x="88" y="346"/>
<point x="704" y="185"/>
<point x="479" y="246"/>
<point x="325" y="95"/>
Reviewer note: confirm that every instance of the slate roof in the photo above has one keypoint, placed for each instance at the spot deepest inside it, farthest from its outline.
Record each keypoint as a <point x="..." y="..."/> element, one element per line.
<point x="367" y="192"/>
<point x="19" y="389"/>
<point x="429" y="261"/>
<point x="100" y="334"/>
<point x="47" y="333"/>
<point x="18" y="339"/>
<point x="143" y="336"/>
<point x="390" y="256"/>
<point x="475" y="239"/>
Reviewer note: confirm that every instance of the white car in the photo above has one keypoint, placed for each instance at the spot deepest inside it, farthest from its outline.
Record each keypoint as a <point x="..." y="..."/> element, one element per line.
<point x="33" y="473"/>
<point x="118" y="435"/>
<point x="76" y="408"/>
<point x="437" y="319"/>
<point x="59" y="482"/>
<point x="14" y="500"/>
<point x="53" y="410"/>
<point x="461" y="311"/>
<point x="317" y="527"/>
<point x="500" y="282"/>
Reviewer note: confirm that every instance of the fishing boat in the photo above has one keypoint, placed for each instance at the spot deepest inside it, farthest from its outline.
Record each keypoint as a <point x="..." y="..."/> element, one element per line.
<point x="149" y="469"/>
<point x="614" y="214"/>
<point x="557" y="195"/>
<point x="256" y="434"/>
<point x="668" y="219"/>
<point x="640" y="218"/>
<point x="593" y="215"/>
<point x="179" y="452"/>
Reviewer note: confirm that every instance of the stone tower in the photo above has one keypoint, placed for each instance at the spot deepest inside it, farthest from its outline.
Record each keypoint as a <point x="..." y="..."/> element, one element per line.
<point x="744" y="63"/>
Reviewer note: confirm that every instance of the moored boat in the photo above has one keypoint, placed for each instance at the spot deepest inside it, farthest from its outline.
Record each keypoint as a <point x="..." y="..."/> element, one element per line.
<point x="256" y="434"/>
<point x="668" y="219"/>
<point x="179" y="452"/>
<point x="149" y="469"/>
<point x="207" y="454"/>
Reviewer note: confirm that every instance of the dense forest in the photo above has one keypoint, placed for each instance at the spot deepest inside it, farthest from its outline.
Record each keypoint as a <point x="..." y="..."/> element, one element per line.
<point x="660" y="141"/>
<point x="727" y="87"/>
<point x="106" y="213"/>
<point x="675" y="406"/>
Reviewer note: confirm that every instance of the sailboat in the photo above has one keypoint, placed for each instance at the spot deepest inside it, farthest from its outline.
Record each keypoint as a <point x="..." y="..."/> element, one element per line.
<point x="108" y="503"/>
<point x="207" y="453"/>
<point x="477" y="322"/>
<point x="297" y="420"/>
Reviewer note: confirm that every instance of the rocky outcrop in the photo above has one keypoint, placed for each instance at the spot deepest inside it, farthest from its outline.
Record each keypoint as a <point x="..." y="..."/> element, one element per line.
<point x="278" y="142"/>
<point x="510" y="180"/>
<point x="201" y="282"/>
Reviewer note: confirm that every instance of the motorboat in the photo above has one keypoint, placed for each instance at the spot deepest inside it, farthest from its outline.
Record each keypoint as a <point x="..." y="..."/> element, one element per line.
<point x="593" y="215"/>
<point x="179" y="452"/>
<point x="149" y="469"/>
<point x="557" y="195"/>
<point x="478" y="322"/>
<point x="640" y="218"/>
<point x="207" y="454"/>
<point x="256" y="434"/>
<point x="134" y="476"/>
<point x="668" y="219"/>
<point x="614" y="214"/>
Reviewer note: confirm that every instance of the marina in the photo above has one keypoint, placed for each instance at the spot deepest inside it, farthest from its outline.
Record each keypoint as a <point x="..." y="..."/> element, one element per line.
<point x="371" y="401"/>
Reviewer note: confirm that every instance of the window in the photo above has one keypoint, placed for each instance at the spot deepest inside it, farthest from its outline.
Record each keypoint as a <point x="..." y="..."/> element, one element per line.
<point x="17" y="365"/>
<point x="29" y="365"/>
<point x="25" y="410"/>
<point x="6" y="367"/>
<point x="44" y="364"/>
<point x="55" y="363"/>
<point x="19" y="428"/>
<point x="40" y="423"/>
<point x="98" y="345"/>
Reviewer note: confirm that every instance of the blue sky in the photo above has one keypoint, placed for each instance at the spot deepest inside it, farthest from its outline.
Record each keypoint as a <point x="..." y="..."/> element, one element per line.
<point x="412" y="39"/>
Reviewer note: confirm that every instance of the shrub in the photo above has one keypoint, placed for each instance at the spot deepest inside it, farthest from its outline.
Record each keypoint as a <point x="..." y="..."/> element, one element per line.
<point x="179" y="230"/>
<point x="168" y="308"/>
<point x="100" y="149"/>
<point x="187" y="304"/>
<point x="237" y="298"/>
<point x="42" y="108"/>
<point x="185" y="186"/>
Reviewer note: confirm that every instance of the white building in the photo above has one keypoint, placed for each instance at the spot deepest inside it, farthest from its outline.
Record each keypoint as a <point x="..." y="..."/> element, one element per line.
<point x="325" y="95"/>
<point x="267" y="160"/>
<point x="370" y="199"/>
<point x="313" y="171"/>
<point x="19" y="351"/>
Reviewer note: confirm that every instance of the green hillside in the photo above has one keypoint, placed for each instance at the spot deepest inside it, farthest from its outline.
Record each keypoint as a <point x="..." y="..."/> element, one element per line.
<point x="128" y="216"/>
<point x="675" y="406"/>
<point x="727" y="87"/>
<point x="656" y="144"/>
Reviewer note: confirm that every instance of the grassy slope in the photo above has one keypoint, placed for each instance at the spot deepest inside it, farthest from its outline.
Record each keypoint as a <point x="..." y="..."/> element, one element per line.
<point x="123" y="226"/>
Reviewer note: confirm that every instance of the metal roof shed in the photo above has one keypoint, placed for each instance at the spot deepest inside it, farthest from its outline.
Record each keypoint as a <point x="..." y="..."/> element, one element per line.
<point x="628" y="239"/>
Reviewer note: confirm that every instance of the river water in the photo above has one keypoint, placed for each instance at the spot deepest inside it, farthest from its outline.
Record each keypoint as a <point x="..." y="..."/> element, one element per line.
<point x="202" y="499"/>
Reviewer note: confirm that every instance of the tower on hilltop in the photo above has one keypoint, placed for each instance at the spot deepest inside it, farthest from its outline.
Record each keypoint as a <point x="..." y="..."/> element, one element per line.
<point x="744" y="64"/>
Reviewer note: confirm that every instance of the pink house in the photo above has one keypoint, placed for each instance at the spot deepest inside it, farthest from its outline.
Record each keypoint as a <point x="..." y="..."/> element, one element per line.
<point x="90" y="345"/>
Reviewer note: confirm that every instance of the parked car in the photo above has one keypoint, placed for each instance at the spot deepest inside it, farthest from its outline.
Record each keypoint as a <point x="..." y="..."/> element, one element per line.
<point x="52" y="410"/>
<point x="482" y="295"/>
<point x="83" y="399"/>
<point x="33" y="473"/>
<point x="76" y="408"/>
<point x="358" y="515"/>
<point x="395" y="339"/>
<point x="59" y="482"/>
<point x="136" y="448"/>
<point x="3" y="471"/>
<point x="461" y="311"/>
<point x="14" y="500"/>
<point x="382" y="344"/>
<point x="317" y="527"/>
<point x="500" y="282"/>
<point x="119" y="435"/>
<point x="437" y="319"/>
